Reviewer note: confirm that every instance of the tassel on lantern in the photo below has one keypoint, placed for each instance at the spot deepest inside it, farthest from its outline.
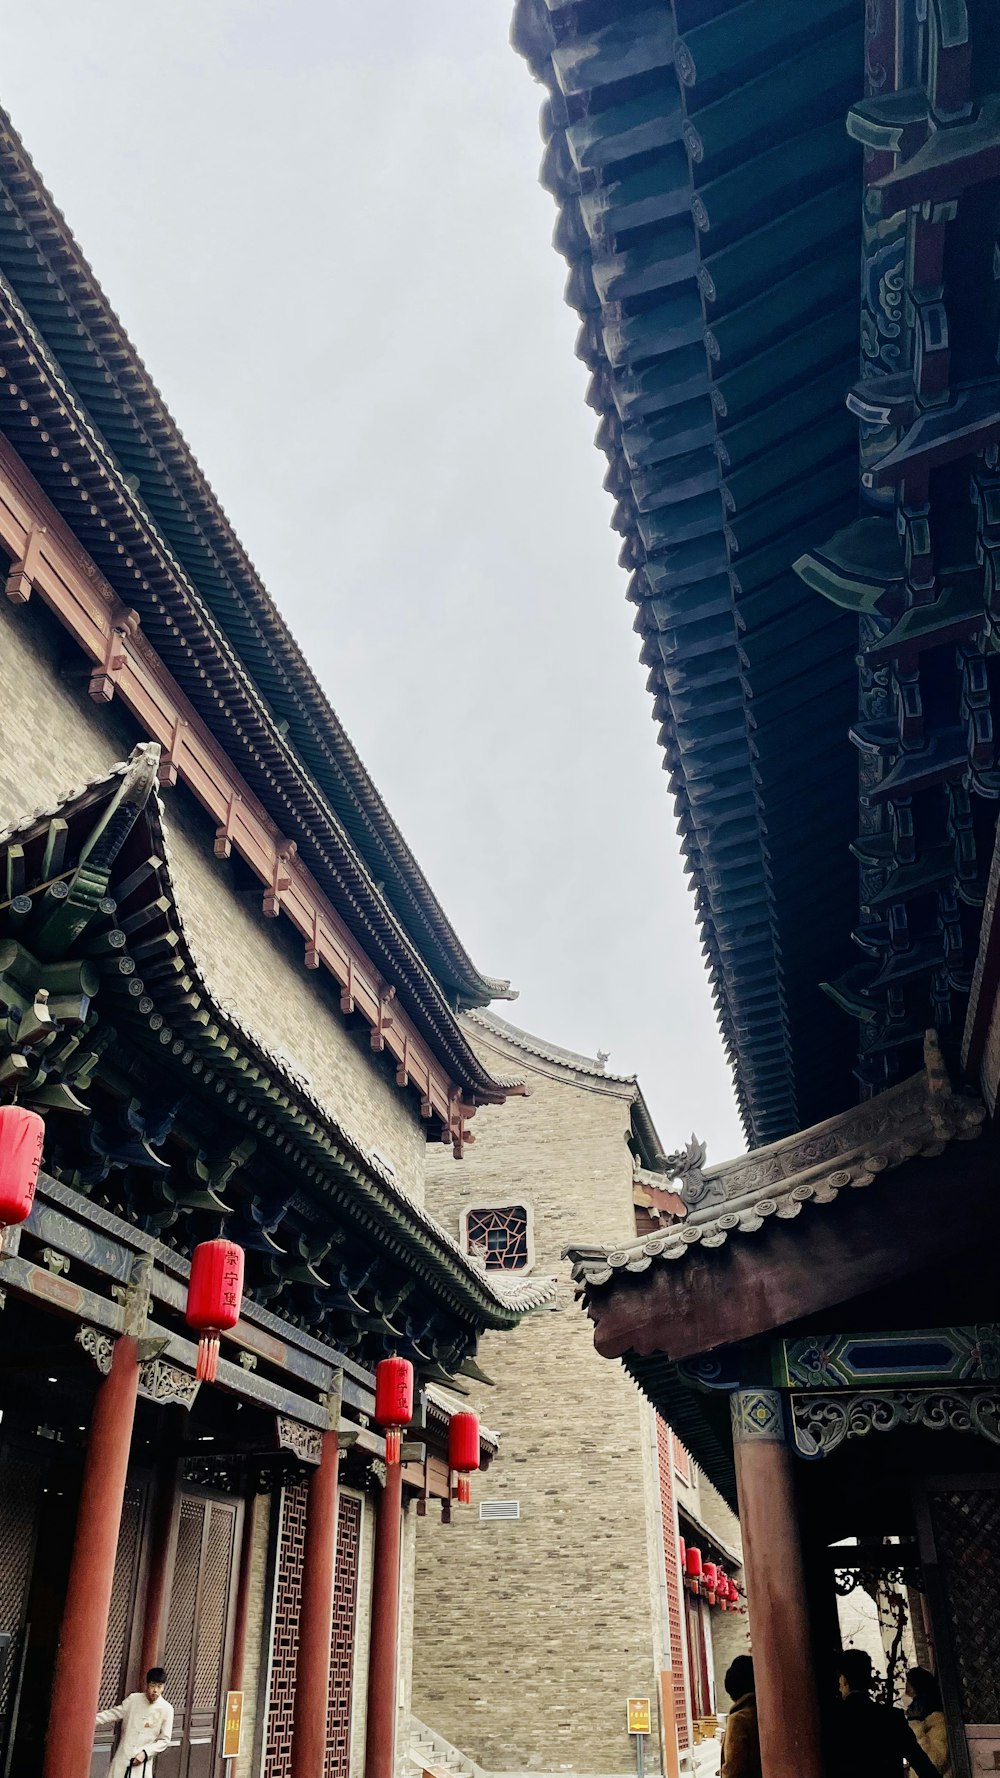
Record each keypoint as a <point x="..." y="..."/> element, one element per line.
<point x="207" y="1367"/>
<point x="393" y="1444"/>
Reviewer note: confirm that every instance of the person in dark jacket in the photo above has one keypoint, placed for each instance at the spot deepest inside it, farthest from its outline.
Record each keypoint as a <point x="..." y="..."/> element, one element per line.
<point x="872" y="1740"/>
<point x="741" y="1744"/>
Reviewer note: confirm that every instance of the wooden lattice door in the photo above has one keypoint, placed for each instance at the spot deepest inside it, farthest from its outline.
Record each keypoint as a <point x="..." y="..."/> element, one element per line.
<point x="285" y="1641"/>
<point x="19" y="1492"/>
<point x="199" y="1626"/>
<point x="123" y="1614"/>
<point x="960" y="1539"/>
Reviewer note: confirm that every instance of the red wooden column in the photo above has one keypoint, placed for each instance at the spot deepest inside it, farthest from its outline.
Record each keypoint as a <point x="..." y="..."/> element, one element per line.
<point x="383" y="1653"/>
<point x="787" y="1712"/>
<point x="77" y="1680"/>
<point x="312" y="1661"/>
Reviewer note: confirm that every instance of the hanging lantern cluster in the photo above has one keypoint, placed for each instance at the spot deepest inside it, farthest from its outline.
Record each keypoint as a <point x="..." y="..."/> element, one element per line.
<point x="215" y="1296"/>
<point x="393" y="1402"/>
<point x="22" y="1133"/>
<point x="708" y="1580"/>
<point x="463" y="1451"/>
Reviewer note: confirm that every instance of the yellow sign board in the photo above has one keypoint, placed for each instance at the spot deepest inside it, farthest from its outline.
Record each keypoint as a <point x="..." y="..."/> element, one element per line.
<point x="232" y="1734"/>
<point x="639" y="1720"/>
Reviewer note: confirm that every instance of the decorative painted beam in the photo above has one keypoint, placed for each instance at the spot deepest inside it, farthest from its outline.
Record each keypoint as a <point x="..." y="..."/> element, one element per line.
<point x="926" y="1357"/>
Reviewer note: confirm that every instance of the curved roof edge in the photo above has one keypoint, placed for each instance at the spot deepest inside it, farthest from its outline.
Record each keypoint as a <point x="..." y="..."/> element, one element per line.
<point x="653" y="1152"/>
<point x="143" y="432"/>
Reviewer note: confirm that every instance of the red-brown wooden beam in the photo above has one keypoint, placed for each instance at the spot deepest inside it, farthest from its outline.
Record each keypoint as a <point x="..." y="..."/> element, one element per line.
<point x="383" y="1652"/>
<point x="49" y="561"/>
<point x="76" y="1682"/>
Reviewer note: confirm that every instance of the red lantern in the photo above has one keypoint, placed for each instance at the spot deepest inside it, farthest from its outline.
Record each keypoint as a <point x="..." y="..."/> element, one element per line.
<point x="709" y="1577"/>
<point x="463" y="1450"/>
<point x="215" y="1293"/>
<point x="21" y="1136"/>
<point x="393" y="1402"/>
<point x="692" y="1569"/>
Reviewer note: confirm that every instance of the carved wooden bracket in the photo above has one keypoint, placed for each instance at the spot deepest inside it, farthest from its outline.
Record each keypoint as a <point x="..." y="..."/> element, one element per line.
<point x="281" y="880"/>
<point x="304" y="1442"/>
<point x="98" y="1345"/>
<point x="384" y="1021"/>
<point x="106" y="674"/>
<point x="168" y="1383"/>
<point x="168" y="772"/>
<point x="19" y="580"/>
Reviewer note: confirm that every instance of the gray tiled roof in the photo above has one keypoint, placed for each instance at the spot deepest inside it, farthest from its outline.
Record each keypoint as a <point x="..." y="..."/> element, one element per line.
<point x="918" y="1117"/>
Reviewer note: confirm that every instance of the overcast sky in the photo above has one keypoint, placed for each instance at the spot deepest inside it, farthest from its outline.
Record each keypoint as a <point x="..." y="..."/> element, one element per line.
<point x="321" y="223"/>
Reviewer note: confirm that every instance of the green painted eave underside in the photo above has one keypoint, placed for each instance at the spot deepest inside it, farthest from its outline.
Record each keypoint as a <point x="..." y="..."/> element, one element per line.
<point x="709" y="205"/>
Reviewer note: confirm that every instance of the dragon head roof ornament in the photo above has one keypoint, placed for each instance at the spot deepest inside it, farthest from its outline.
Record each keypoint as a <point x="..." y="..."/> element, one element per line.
<point x="687" y="1168"/>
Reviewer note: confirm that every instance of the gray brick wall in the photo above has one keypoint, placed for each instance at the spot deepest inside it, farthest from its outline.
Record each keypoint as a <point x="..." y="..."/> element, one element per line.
<point x="258" y="1613"/>
<point x="530" y="1634"/>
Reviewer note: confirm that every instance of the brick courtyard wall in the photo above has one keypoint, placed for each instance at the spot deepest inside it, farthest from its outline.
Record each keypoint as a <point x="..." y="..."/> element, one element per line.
<point x="257" y="1617"/>
<point x="530" y="1634"/>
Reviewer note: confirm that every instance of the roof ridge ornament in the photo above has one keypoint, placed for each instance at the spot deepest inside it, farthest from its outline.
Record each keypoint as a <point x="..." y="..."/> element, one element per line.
<point x="687" y="1168"/>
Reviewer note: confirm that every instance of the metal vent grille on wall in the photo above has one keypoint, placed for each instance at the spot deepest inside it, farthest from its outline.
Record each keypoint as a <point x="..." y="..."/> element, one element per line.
<point x="499" y="1509"/>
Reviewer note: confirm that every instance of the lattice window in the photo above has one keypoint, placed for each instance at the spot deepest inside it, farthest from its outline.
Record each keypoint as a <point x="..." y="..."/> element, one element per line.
<point x="286" y="1632"/>
<point x="499" y="1236"/>
<point x="682" y="1462"/>
<point x="967" y="1535"/>
<point x="286" y="1635"/>
<point x="345" y="1599"/>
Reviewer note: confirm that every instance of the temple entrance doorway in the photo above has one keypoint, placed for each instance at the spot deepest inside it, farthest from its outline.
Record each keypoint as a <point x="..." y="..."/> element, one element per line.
<point x="199" y="1630"/>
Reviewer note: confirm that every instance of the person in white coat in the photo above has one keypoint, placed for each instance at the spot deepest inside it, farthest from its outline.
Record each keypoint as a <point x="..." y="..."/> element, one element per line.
<point x="147" y="1724"/>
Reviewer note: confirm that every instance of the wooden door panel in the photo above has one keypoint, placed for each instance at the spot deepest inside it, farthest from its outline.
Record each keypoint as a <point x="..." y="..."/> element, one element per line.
<point x="198" y="1632"/>
<point x="20" y="1480"/>
<point x="126" y="1593"/>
